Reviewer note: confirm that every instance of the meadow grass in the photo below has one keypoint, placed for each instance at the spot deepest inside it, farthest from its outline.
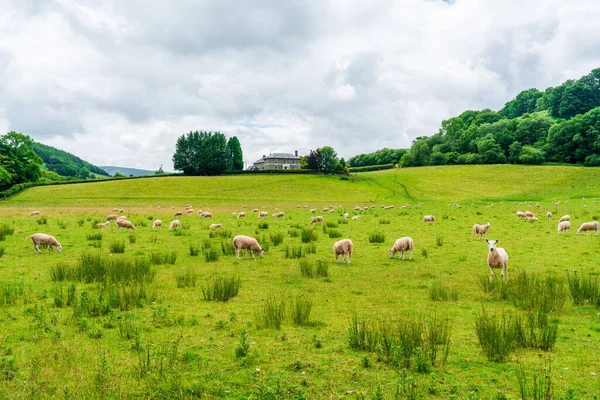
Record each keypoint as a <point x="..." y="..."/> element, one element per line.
<point x="99" y="325"/>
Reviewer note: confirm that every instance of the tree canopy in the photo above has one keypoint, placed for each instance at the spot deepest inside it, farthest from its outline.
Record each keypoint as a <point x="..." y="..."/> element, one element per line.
<point x="64" y="163"/>
<point x="18" y="162"/>
<point x="206" y="153"/>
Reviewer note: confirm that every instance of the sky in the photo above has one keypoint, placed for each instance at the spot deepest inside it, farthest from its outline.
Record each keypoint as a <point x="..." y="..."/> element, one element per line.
<point x="117" y="82"/>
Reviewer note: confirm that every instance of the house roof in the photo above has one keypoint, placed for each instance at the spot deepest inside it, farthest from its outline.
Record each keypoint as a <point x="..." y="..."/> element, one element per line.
<point x="277" y="156"/>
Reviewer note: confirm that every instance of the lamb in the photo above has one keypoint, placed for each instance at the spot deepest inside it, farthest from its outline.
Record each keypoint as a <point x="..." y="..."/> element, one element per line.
<point x="246" y="242"/>
<point x="497" y="258"/>
<point x="316" y="219"/>
<point x="215" y="226"/>
<point x="565" y="218"/>
<point x="121" y="218"/>
<point x="178" y="214"/>
<point x="190" y="211"/>
<point x="34" y="213"/>
<point x="263" y="214"/>
<point x="206" y="214"/>
<point x="403" y="244"/>
<point x="42" y="238"/>
<point x="313" y="211"/>
<point x="343" y="248"/>
<point x="564" y="226"/>
<point x="521" y="214"/>
<point x="480" y="230"/>
<point x="255" y="210"/>
<point x="115" y="210"/>
<point x="346" y="215"/>
<point x="429" y="218"/>
<point x="242" y="215"/>
<point x="280" y="214"/>
<point x="102" y="225"/>
<point x="123" y="223"/>
<point x="157" y="224"/>
<point x="532" y="219"/>
<point x="111" y="217"/>
<point x="528" y="214"/>
<point x="588" y="226"/>
<point x="174" y="224"/>
<point x="548" y="215"/>
<point x="356" y="218"/>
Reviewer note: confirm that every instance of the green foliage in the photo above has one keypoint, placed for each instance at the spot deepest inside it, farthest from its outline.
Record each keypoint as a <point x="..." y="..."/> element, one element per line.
<point x="271" y="314"/>
<point x="309" y="235"/>
<point x="243" y="346"/>
<point x="18" y="160"/>
<point x="440" y="292"/>
<point x="212" y="255"/>
<point x="377" y="237"/>
<point x="203" y="153"/>
<point x="186" y="279"/>
<point x="497" y="335"/>
<point x="235" y="151"/>
<point x="300" y="308"/>
<point x="117" y="246"/>
<point x="541" y="383"/>
<point x="584" y="290"/>
<point x="276" y="238"/>
<point x="384" y="156"/>
<point x="64" y="163"/>
<point x="219" y="288"/>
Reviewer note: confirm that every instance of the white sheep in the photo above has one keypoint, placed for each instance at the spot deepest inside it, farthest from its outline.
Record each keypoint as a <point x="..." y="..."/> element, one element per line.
<point x="42" y="238"/>
<point x="263" y="214"/>
<point x="313" y="211"/>
<point x="121" y="218"/>
<point x="343" y="248"/>
<point x="215" y="226"/>
<point x="548" y="215"/>
<point x="241" y="215"/>
<point x="356" y="218"/>
<point x="564" y="226"/>
<point x="102" y="225"/>
<point x="206" y="214"/>
<point x="189" y="211"/>
<point x="429" y="218"/>
<point x="246" y="242"/>
<point x="123" y="223"/>
<point x="346" y="215"/>
<point x="174" y="224"/>
<point x="403" y="245"/>
<point x="178" y="214"/>
<point x="588" y="226"/>
<point x="528" y="214"/>
<point x="480" y="230"/>
<point x="521" y="214"/>
<point x="157" y="224"/>
<point x="280" y="214"/>
<point x="565" y="218"/>
<point x="316" y="219"/>
<point x="532" y="219"/>
<point x="497" y="258"/>
<point x="111" y="217"/>
<point x="34" y="213"/>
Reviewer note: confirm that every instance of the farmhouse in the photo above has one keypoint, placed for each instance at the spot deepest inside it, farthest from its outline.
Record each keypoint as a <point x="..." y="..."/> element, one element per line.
<point x="278" y="161"/>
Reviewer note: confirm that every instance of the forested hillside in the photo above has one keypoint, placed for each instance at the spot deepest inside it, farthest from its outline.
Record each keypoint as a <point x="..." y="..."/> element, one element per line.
<point x="561" y="124"/>
<point x="65" y="164"/>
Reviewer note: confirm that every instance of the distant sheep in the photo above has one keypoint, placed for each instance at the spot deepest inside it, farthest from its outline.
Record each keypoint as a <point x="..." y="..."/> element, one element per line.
<point x="280" y="214"/>
<point x="206" y="214"/>
<point x="111" y="217"/>
<point x="588" y="226"/>
<point x="246" y="242"/>
<point x="548" y="215"/>
<point x="316" y="219"/>
<point x="497" y="258"/>
<point x="263" y="214"/>
<point x="241" y="215"/>
<point x="34" y="213"/>
<point x="42" y="238"/>
<point x="215" y="226"/>
<point x="565" y="218"/>
<point x="532" y="219"/>
<point x="255" y="210"/>
<point x="102" y="225"/>
<point x="428" y="218"/>
<point x="343" y="248"/>
<point x="174" y="224"/>
<point x="313" y="211"/>
<point x="178" y="214"/>
<point x="121" y="218"/>
<point x="123" y="223"/>
<point x="528" y="214"/>
<point x="521" y="214"/>
<point x="403" y="245"/>
<point x="480" y="230"/>
<point x="190" y="211"/>
<point x="346" y="215"/>
<point x="356" y="218"/>
<point x="157" y="224"/>
<point x="564" y="226"/>
<point x="115" y="210"/>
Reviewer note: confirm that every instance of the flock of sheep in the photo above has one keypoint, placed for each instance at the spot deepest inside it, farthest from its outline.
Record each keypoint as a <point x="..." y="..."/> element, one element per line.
<point x="497" y="256"/>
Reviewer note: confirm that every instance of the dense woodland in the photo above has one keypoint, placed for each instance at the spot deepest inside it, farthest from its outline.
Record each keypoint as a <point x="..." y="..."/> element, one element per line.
<point x="561" y="124"/>
<point x="64" y="163"/>
<point x="207" y="153"/>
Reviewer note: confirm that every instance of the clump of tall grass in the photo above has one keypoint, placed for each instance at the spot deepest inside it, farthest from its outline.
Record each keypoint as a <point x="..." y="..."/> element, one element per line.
<point x="496" y="288"/>
<point x="276" y="238"/>
<point x="334" y="234"/>
<point x="6" y="230"/>
<point x="42" y="221"/>
<point x="532" y="292"/>
<point x="163" y="257"/>
<point x="186" y="279"/>
<point x="497" y="335"/>
<point x="331" y="224"/>
<point x="206" y="244"/>
<point x="293" y="232"/>
<point x="309" y="235"/>
<point x="271" y="314"/>
<point x="93" y="267"/>
<point x="11" y="293"/>
<point x="94" y="236"/>
<point x="308" y="269"/>
<point x="537" y="330"/>
<point x="376" y="237"/>
<point x="2" y="250"/>
<point x="263" y="225"/>
<point x="219" y="233"/>
<point x="227" y="248"/>
<point x="385" y="221"/>
<point x="219" y="288"/>
<point x="117" y="246"/>
<point x="212" y="255"/>
<point x="62" y="272"/>
<point x="132" y="238"/>
<point x="322" y="268"/>
<point x="439" y="240"/>
<point x="300" y="308"/>
<point x="194" y="250"/>
<point x="310" y="248"/>
<point x="61" y="224"/>
<point x="583" y="290"/>
<point x="440" y="292"/>
<point x="541" y="383"/>
<point x="294" y="252"/>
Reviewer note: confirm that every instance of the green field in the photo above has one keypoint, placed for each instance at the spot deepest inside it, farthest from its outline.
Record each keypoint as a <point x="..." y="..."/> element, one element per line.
<point x="66" y="334"/>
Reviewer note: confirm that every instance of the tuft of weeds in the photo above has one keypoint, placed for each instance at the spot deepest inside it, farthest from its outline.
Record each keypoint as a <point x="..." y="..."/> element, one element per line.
<point x="2" y="250"/>
<point x="497" y="335"/>
<point x="377" y="237"/>
<point x="61" y="224"/>
<point x="294" y="252"/>
<point x="439" y="240"/>
<point x="163" y="257"/>
<point x="132" y="238"/>
<point x="243" y="346"/>
<point x="276" y="238"/>
<point x="219" y="234"/>
<point x="309" y="235"/>
<point x="42" y="221"/>
<point x="425" y="253"/>
<point x="540" y="387"/>
<point x="293" y="233"/>
<point x="322" y="268"/>
<point x="263" y="225"/>
<point x="6" y="230"/>
<point x="331" y="224"/>
<point x="219" y="288"/>
<point x="334" y="234"/>
<point x="194" y="250"/>
<point x="306" y="268"/>
<point x="271" y="314"/>
<point x="227" y="248"/>
<point x="186" y="279"/>
<point x="440" y="292"/>
<point x="497" y="288"/>
<point x="212" y="255"/>
<point x="206" y="244"/>
<point x="583" y="290"/>
<point x="385" y="221"/>
<point x="300" y="308"/>
<point x="117" y="246"/>
<point x="310" y="248"/>
<point x="61" y="272"/>
<point x="95" y="236"/>
<point x="531" y="292"/>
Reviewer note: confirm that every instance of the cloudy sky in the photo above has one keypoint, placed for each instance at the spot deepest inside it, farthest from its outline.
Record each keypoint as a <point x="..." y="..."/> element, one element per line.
<point x="116" y="82"/>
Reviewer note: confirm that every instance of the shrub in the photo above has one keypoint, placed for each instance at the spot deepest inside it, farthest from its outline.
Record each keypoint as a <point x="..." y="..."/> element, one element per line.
<point x="221" y="289"/>
<point x="377" y="237"/>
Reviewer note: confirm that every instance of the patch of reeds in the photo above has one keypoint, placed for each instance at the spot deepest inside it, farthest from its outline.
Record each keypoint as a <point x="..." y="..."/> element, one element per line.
<point x="227" y="248"/>
<point x="219" y="234"/>
<point x="440" y="292"/>
<point x="263" y="225"/>
<point x="212" y="255"/>
<point x="117" y="246"/>
<point x="309" y="235"/>
<point x="294" y="252"/>
<point x="334" y="234"/>
<point x="94" y="236"/>
<point x="219" y="288"/>
<point x="271" y="313"/>
<point x="276" y="238"/>
<point x="583" y="290"/>
<point x="186" y="279"/>
<point x="376" y="237"/>
<point x="299" y="309"/>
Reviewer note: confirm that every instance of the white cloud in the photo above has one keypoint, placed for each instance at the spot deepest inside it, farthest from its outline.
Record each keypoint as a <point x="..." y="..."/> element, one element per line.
<point x="117" y="83"/>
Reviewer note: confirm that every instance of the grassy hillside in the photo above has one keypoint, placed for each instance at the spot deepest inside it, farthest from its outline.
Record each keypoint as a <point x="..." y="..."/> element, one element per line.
<point x="64" y="163"/>
<point x="90" y="322"/>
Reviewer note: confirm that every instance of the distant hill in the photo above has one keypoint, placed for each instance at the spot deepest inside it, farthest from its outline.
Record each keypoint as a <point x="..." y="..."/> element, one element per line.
<point x="127" y="171"/>
<point x="64" y="163"/>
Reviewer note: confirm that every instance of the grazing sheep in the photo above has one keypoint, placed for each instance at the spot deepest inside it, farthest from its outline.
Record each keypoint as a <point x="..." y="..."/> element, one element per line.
<point x="532" y="219"/>
<point x="255" y="210"/>
<point x="521" y="214"/>
<point x="528" y="214"/>
<point x="123" y="223"/>
<point x="343" y="248"/>
<point x="497" y="258"/>
<point x="480" y="230"/>
<point x="200" y="212"/>
<point x="346" y="215"/>
<point x="206" y="214"/>
<point x="588" y="226"/>
<point x="325" y="209"/>
<point x="115" y="210"/>
<point x="565" y="218"/>
<point x="42" y="238"/>
<point x="548" y="215"/>
<point x="564" y="226"/>
<point x="246" y="242"/>
<point x="178" y="214"/>
<point x="174" y="224"/>
<point x="190" y="211"/>
<point x="316" y="219"/>
<point x="356" y="218"/>
<point x="215" y="226"/>
<point x="157" y="224"/>
<point x="403" y="244"/>
<point x="429" y="218"/>
<point x="242" y="215"/>
<point x="280" y="214"/>
<point x="121" y="211"/>
<point x="102" y="225"/>
<point x="111" y="217"/>
<point x="34" y="213"/>
<point x="263" y="214"/>
<point x="313" y="210"/>
<point x="121" y="218"/>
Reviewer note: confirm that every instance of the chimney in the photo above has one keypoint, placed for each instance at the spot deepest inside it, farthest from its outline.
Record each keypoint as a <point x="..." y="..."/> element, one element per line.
<point x="296" y="152"/>
<point x="264" y="156"/>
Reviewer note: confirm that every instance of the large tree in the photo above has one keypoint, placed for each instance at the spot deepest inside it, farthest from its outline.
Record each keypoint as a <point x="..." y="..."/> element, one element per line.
<point x="235" y="151"/>
<point x="202" y="153"/>
<point x="17" y="158"/>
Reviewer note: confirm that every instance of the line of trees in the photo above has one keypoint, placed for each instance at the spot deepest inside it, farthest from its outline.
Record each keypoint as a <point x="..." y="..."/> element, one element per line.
<point x="207" y="153"/>
<point x="380" y="157"/>
<point x="65" y="163"/>
<point x="561" y="124"/>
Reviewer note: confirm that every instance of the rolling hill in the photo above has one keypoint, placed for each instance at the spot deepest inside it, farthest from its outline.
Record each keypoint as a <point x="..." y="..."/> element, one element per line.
<point x="64" y="163"/>
<point x="112" y="170"/>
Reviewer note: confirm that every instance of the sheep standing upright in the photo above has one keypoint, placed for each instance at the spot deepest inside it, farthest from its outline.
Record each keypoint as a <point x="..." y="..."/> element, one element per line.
<point x="316" y="219"/>
<point x="246" y="242"/>
<point x="42" y="238"/>
<point x="589" y="226"/>
<point x="157" y="224"/>
<point x="548" y="215"/>
<point x="564" y="226"/>
<point x="497" y="258"/>
<point x="403" y="245"/>
<point x="343" y="248"/>
<point x="480" y="230"/>
<point x="123" y="223"/>
<point x="429" y="218"/>
<point x="174" y="224"/>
